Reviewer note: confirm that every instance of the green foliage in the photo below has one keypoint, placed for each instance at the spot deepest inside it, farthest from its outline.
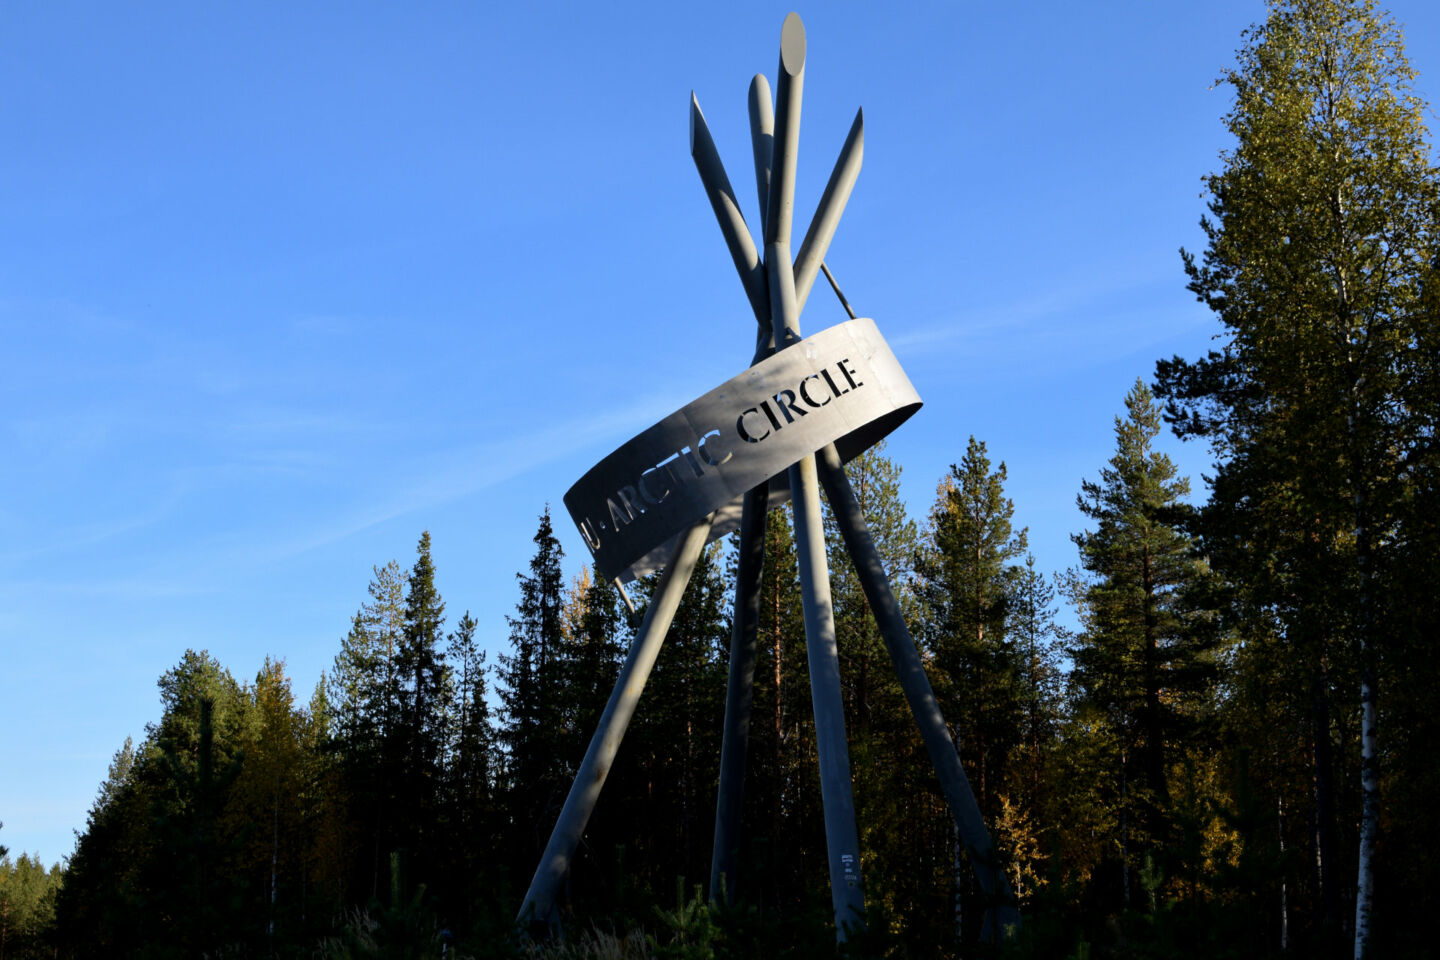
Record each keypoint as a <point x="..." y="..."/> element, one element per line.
<point x="531" y="688"/>
<point x="967" y="574"/>
<point x="872" y="695"/>
<point x="28" y="893"/>
<point x="677" y="734"/>
<point x="1321" y="409"/>
<point x="592" y="944"/>
<point x="1142" y="666"/>
<point x="691" y="930"/>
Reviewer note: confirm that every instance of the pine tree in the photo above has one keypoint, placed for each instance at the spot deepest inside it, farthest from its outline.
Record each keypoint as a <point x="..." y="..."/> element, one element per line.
<point x="192" y="874"/>
<point x="203" y="840"/>
<point x="1140" y="660"/>
<point x="1317" y="264"/>
<point x="27" y="906"/>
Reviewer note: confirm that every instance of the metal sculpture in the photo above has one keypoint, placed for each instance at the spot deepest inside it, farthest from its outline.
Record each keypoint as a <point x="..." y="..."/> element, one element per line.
<point x="773" y="433"/>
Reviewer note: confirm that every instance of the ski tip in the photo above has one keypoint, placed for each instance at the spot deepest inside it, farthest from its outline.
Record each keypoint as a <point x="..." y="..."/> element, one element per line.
<point x="792" y="45"/>
<point x="697" y="120"/>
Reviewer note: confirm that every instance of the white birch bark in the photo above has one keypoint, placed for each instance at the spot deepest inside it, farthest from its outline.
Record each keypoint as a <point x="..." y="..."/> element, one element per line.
<point x="1369" y="812"/>
<point x="1284" y="891"/>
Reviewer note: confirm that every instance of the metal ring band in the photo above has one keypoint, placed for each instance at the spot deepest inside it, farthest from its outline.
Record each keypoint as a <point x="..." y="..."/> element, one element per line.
<point x="842" y="386"/>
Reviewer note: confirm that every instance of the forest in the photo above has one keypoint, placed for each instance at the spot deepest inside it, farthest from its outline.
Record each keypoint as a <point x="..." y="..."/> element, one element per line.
<point x="1229" y="753"/>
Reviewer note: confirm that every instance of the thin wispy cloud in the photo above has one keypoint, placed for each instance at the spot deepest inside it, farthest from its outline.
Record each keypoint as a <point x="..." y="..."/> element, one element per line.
<point x="1088" y="316"/>
<point x="467" y="471"/>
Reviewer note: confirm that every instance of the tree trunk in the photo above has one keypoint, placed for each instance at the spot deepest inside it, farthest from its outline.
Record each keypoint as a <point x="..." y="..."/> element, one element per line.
<point x="1154" y="756"/>
<point x="778" y="770"/>
<point x="274" y="859"/>
<point x="1284" y="906"/>
<point x="1124" y="832"/>
<point x="1369" y="737"/>
<point x="1324" y="798"/>
<point x="1034" y="730"/>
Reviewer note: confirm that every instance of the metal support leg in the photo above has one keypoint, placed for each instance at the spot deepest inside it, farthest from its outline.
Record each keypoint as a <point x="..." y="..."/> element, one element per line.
<point x="580" y="802"/>
<point x="738" y="695"/>
<point x="847" y="893"/>
<point x="776" y="294"/>
<point x="953" y="782"/>
<point x="841" y="839"/>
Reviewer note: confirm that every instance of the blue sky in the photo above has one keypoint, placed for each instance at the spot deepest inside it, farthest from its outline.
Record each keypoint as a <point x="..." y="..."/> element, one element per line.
<point x="282" y="286"/>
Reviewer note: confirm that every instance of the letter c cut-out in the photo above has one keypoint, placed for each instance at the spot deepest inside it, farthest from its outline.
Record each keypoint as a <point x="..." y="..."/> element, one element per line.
<point x="745" y="434"/>
<point x="704" y="449"/>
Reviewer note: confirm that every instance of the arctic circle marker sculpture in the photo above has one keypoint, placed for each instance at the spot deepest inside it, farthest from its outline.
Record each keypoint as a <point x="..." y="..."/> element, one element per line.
<point x="772" y="433"/>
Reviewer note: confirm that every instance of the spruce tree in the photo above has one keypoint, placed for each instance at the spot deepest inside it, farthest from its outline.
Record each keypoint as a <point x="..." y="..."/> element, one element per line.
<point x="593" y="630"/>
<point x="967" y="574"/>
<point x="679" y="730"/>
<point x="473" y="736"/>
<point x="470" y="804"/>
<point x="424" y="689"/>
<point x="864" y="663"/>
<point x="532" y="696"/>
<point x="1026" y="809"/>
<point x="966" y="577"/>
<point x="98" y="907"/>
<point x="365" y="693"/>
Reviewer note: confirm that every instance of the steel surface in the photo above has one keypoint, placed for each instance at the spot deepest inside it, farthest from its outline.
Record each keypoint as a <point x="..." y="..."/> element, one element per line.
<point x="727" y="212"/>
<point x="739" y="694"/>
<point x="843" y="386"/>
<point x="842" y="842"/>
<point x="816" y="244"/>
<point x="822" y="655"/>
<point x="762" y="139"/>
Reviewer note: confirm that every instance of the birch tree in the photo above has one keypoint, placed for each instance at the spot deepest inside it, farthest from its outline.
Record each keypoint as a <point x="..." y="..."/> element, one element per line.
<point x="1319" y="249"/>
